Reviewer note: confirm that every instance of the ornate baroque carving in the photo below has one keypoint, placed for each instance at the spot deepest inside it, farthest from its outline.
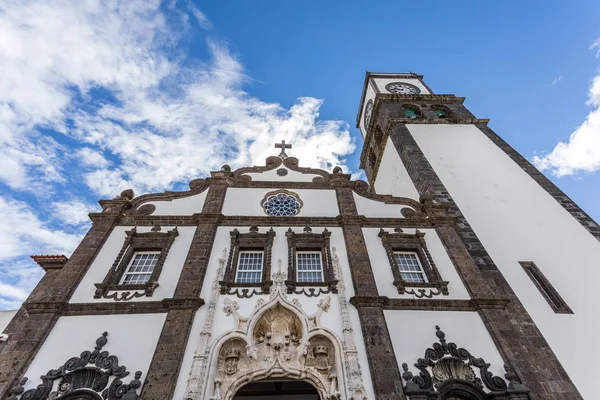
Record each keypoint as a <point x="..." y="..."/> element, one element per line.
<point x="84" y="377"/>
<point x="445" y="365"/>
<point x="110" y="288"/>
<point x="198" y="370"/>
<point x="278" y="340"/>
<point x="354" y="382"/>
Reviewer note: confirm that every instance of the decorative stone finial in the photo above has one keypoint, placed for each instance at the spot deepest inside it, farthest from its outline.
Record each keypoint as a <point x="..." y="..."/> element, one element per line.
<point x="398" y="230"/>
<point x="338" y="170"/>
<point x="127" y="194"/>
<point x="18" y="389"/>
<point x="307" y="229"/>
<point x="253" y="229"/>
<point x="156" y="227"/>
<point x="225" y="168"/>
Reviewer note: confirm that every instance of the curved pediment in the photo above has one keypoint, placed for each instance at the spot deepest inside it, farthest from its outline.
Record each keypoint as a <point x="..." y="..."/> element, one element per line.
<point x="281" y="170"/>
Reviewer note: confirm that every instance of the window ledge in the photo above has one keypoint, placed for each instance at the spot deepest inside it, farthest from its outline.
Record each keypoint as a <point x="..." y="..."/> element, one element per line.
<point x="102" y="289"/>
<point x="402" y="285"/>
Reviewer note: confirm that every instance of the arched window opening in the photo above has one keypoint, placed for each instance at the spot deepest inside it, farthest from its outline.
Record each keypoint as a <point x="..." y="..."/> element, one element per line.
<point x="277" y="389"/>
<point x="441" y="112"/>
<point x="411" y="111"/>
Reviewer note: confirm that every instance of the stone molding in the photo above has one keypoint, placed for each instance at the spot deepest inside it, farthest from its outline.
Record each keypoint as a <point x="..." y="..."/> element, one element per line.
<point x="240" y="242"/>
<point x="277" y="340"/>
<point x="446" y="364"/>
<point x="84" y="377"/>
<point x="481" y="277"/>
<point x="400" y="241"/>
<point x="112" y="288"/>
<point x="310" y="241"/>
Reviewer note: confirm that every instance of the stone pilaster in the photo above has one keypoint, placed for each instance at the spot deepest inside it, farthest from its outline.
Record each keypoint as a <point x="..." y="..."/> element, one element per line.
<point x="385" y="375"/>
<point x="513" y="331"/>
<point x="161" y="378"/>
<point x="34" y="321"/>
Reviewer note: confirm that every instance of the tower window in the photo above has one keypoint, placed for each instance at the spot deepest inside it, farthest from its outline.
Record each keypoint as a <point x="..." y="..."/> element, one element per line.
<point x="440" y="113"/>
<point x="410" y="113"/>
<point x="545" y="287"/>
<point x="309" y="266"/>
<point x="410" y="268"/>
<point x="249" y="269"/>
<point x="141" y="267"/>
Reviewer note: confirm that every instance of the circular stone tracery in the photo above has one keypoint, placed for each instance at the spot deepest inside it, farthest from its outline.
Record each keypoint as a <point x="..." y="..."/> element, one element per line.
<point x="282" y="204"/>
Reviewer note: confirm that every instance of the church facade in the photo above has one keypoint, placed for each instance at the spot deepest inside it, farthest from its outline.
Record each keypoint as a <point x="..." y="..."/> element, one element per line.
<point x="458" y="272"/>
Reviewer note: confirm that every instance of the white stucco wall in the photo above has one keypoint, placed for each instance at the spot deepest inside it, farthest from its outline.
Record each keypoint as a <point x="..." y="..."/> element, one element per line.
<point x="392" y="177"/>
<point x="381" y="82"/>
<point x="223" y="323"/>
<point x="377" y="209"/>
<point x="106" y="257"/>
<point x="291" y="176"/>
<point x="412" y="332"/>
<point x="5" y="318"/>
<point x="317" y="202"/>
<point x="183" y="206"/>
<point x="383" y="272"/>
<point x="132" y="338"/>
<point x="517" y="220"/>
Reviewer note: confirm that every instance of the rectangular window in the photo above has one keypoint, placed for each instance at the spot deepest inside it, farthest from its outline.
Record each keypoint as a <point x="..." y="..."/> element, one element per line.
<point x="309" y="266"/>
<point x="545" y="287"/>
<point x="249" y="269"/>
<point x="410" y="267"/>
<point x="141" y="267"/>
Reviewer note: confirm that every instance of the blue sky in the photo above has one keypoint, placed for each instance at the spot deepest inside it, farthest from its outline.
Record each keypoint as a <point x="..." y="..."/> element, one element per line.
<point x="96" y="97"/>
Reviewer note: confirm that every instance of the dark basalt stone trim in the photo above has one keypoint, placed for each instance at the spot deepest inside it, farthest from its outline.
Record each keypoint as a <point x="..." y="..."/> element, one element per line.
<point x="28" y="331"/>
<point x="516" y="336"/>
<point x="385" y="375"/>
<point x="161" y="378"/>
<point x="105" y="308"/>
<point x="565" y="201"/>
<point x="429" y="304"/>
<point x="367" y="222"/>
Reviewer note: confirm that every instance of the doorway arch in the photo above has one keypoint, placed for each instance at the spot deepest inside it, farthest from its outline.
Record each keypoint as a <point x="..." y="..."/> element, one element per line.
<point x="283" y="389"/>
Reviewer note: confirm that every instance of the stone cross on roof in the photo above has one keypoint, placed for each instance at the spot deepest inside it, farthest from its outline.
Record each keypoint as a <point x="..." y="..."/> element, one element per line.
<point x="283" y="146"/>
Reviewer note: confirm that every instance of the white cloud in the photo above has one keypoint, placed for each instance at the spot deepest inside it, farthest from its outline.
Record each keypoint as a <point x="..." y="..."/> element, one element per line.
<point x="170" y="123"/>
<point x="23" y="233"/>
<point x="582" y="151"/>
<point x="101" y="93"/>
<point x="556" y="80"/>
<point x="73" y="212"/>
<point x="91" y="158"/>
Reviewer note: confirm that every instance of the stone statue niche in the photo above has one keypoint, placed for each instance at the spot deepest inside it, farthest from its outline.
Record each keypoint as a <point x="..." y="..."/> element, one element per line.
<point x="279" y="329"/>
<point x="320" y="355"/>
<point x="232" y="357"/>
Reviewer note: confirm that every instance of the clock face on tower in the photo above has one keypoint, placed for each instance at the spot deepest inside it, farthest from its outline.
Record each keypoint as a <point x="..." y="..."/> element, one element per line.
<point x="402" y="88"/>
<point x="368" y="111"/>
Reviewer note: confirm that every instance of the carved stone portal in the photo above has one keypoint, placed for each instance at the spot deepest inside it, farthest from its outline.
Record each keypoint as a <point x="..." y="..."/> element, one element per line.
<point x="278" y="340"/>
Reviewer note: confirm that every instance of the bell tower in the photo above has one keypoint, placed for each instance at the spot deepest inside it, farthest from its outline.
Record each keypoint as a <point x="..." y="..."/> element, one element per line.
<point x="518" y="228"/>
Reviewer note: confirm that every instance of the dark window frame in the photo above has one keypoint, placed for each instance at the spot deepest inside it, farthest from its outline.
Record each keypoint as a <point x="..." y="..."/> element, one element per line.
<point x="401" y="241"/>
<point x="309" y="241"/>
<point x="251" y="241"/>
<point x="137" y="242"/>
<point x="546" y="289"/>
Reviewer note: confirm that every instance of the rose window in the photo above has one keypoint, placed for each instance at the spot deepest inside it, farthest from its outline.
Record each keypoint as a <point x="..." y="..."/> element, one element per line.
<point x="282" y="204"/>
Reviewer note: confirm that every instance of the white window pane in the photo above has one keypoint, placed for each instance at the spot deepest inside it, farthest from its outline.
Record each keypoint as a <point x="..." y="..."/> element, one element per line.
<point x="249" y="268"/>
<point x="410" y="267"/>
<point x="309" y="267"/>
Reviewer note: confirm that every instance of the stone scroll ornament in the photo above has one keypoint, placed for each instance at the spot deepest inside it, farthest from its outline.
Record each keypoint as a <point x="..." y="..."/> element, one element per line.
<point x="447" y="369"/>
<point x="94" y="375"/>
